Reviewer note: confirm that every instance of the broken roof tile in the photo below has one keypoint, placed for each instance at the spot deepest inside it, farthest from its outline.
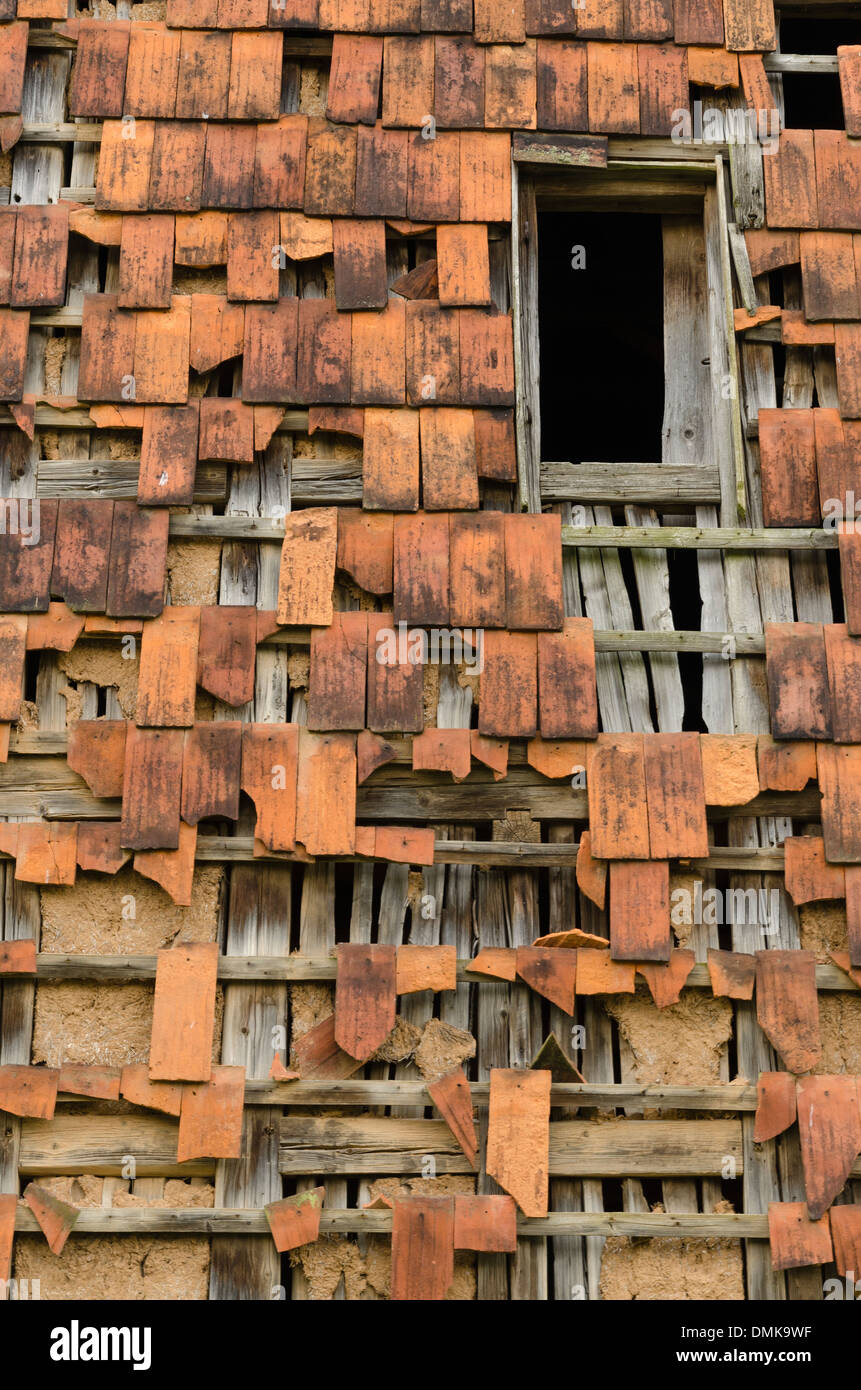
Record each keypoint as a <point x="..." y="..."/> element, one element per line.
<point x="809" y="878"/>
<point x="256" y="62"/>
<point x="775" y="1105"/>
<point x="13" y="649"/>
<point x="99" y="849"/>
<point x="508" y="701"/>
<point x="13" y="58"/>
<point x="449" y="476"/>
<point x="845" y="1220"/>
<point x="421" y="569"/>
<point x="326" y="793"/>
<point x="785" y="767"/>
<point x="796" y="1241"/>
<point x="319" y="1057"/>
<point x="843" y="658"/>
<point x="395" y="681"/>
<point x="360" y="264"/>
<point x="183" y="1019"/>
<point x="167" y="679"/>
<point x="365" y="998"/>
<point x="14" y="335"/>
<point x="561" y="92"/>
<point x="106" y="371"/>
<point x="591" y="873"/>
<point x="518" y="1136"/>
<point x="177" y="169"/>
<point x="226" y="430"/>
<point x="45" y="853"/>
<point x="598" y="973"/>
<point x="829" y="1131"/>
<point x="381" y="172"/>
<point x="295" y="1220"/>
<point x="29" y="1092"/>
<point x="500" y="963"/>
<point x="788" y="463"/>
<point x="18" y="957"/>
<point x="146" y="262"/>
<point x="486" y="357"/>
<point x="452" y="1098"/>
<point x="338" y="677"/>
<point x="204" y="75"/>
<point x="675" y="796"/>
<point x="210" y="1121"/>
<point x="330" y="169"/>
<point x="730" y="776"/>
<point x="366" y="547"/>
<point x="136" y="566"/>
<point x="26" y="559"/>
<point x="96" y="751"/>
<point x="567" y="694"/>
<point x="432" y="353"/>
<point x="458" y="83"/>
<point x="168" y="455"/>
<point x="279" y="163"/>
<point x="477" y="569"/>
<point x="422" y="1247"/>
<point x="269" y="349"/>
<point x="426" y="967"/>
<point x="640" y="910"/>
<point x="227" y="652"/>
<point x="666" y="981"/>
<point x="136" y="1087"/>
<point x="307" y="572"/>
<point x="839" y="771"/>
<point x="790" y="182"/>
<point x="172" y="869"/>
<point x="211" y="771"/>
<point x="161" y="353"/>
<point x="153" y="71"/>
<point x="41" y="253"/>
<point x="787" y="1007"/>
<point x="152" y="779"/>
<point x="56" y="1218"/>
<point x="614" y="89"/>
<point x="372" y="752"/>
<point x="550" y="972"/>
<point x="99" y="1083"/>
<point x="618" y="818"/>
<point x="269" y="771"/>
<point x="354" y="78"/>
<point x="713" y="67"/>
<point x="378" y="364"/>
<point x="433" y="177"/>
<point x="443" y="750"/>
<point x="838" y="179"/>
<point x="408" y="81"/>
<point x="228" y="166"/>
<point x="798" y="691"/>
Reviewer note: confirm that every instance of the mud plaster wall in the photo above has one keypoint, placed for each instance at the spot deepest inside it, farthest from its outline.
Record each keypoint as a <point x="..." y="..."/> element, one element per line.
<point x="671" y="1269"/>
<point x="110" y="1024"/>
<point x="122" y="1267"/>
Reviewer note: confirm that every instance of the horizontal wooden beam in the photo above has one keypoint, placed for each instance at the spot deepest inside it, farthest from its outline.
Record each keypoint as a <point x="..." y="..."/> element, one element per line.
<point x="699" y="538"/>
<point x="117" y="478"/>
<point x="617" y="1148"/>
<point x="53" y="966"/>
<point x="801" y="62"/>
<point x="630" y="483"/>
<point x="188" y="1221"/>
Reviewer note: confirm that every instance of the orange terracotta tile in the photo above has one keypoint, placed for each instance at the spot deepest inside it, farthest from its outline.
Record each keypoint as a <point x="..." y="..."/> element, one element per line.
<point x="137" y="1089"/>
<point x="838" y="179"/>
<point x="518" y="1136"/>
<point x="510" y="87"/>
<point x="422" y="1248"/>
<point x="99" y="848"/>
<point x="458" y="83"/>
<point x="666" y="982"/>
<point x="843" y="658"/>
<point x="614" y="89"/>
<point x="30" y="1092"/>
<point x="768" y="250"/>
<point x="550" y="973"/>
<point x="451" y="1096"/>
<point x="269" y="361"/>
<point x="97" y="750"/>
<point x="255" y="77"/>
<point x="795" y="1240"/>
<point x="790" y="182"/>
<point x="269" y="771"/>
<point x="178" y="166"/>
<point x="408" y="81"/>
<point x="443" y="750"/>
<point x="200" y="239"/>
<point x="161" y="353"/>
<point x="381" y="172"/>
<point x="788" y="461"/>
<point x="797" y="680"/>
<point x="449" y="476"/>
<point x="360" y="263"/>
<point x="508" y="701"/>
<point x="354" y="78"/>
<point x="485" y="1223"/>
<point x="228" y="168"/>
<point x="100" y="1083"/>
<point x="338" y="678"/>
<point x="152" y="72"/>
<point x="308" y="567"/>
<point x="371" y="752"/>
<point x="326" y="793"/>
<point x="640" y="910"/>
<point x="732" y="974"/>
<point x="330" y="169"/>
<point x="217" y="331"/>
<point x="567" y="693"/>
<point x="365" y="998"/>
<point x="169" y="455"/>
<point x="184" y="1013"/>
<point x="378" y="362"/>
<point x="787" y="1007"/>
<point x="167" y="679"/>
<point x="18" y="957"/>
<point x="318" y="1056"/>
<point x="559" y="757"/>
<point x="210" y="1121"/>
<point x="151" y="788"/>
<point x="808" y="877"/>
<point x="487" y="364"/>
<point x="498" y="962"/>
<point x="13" y="650"/>
<point x="204" y="75"/>
<point x="561" y="90"/>
<point x="421" y="569"/>
<point x="662" y="72"/>
<point x="46" y="853"/>
<point x="675" y="796"/>
<point x="785" y="767"/>
<point x="618" y="817"/>
<point x="253" y="239"/>
<point x="56" y="1218"/>
<point x="426" y="967"/>
<point x="390" y="461"/>
<point x="493" y="752"/>
<point x="172" y="869"/>
<point x="591" y="873"/>
<point x="395" y="681"/>
<point x="41" y="254"/>
<point x="849" y="66"/>
<point x="712" y="67"/>
<point x="829" y="1131"/>
<point x="8" y="1213"/>
<point x="846" y="1234"/>
<point x="775" y="1105"/>
<point x="485" y="176"/>
<point x="433" y="178"/>
<point x="365" y="548"/>
<point x="295" y="1220"/>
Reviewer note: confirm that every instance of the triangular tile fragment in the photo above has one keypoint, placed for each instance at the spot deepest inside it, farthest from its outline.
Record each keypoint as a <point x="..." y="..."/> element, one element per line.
<point x="550" y="973"/>
<point x="452" y="1098"/>
<point x="55" y="1218"/>
<point x="551" y="1057"/>
<point x="775" y="1105"/>
<point x="666" y="982"/>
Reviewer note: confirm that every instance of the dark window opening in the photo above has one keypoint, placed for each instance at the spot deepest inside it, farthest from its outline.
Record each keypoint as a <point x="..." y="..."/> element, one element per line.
<point x="812" y="101"/>
<point x="600" y="295"/>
